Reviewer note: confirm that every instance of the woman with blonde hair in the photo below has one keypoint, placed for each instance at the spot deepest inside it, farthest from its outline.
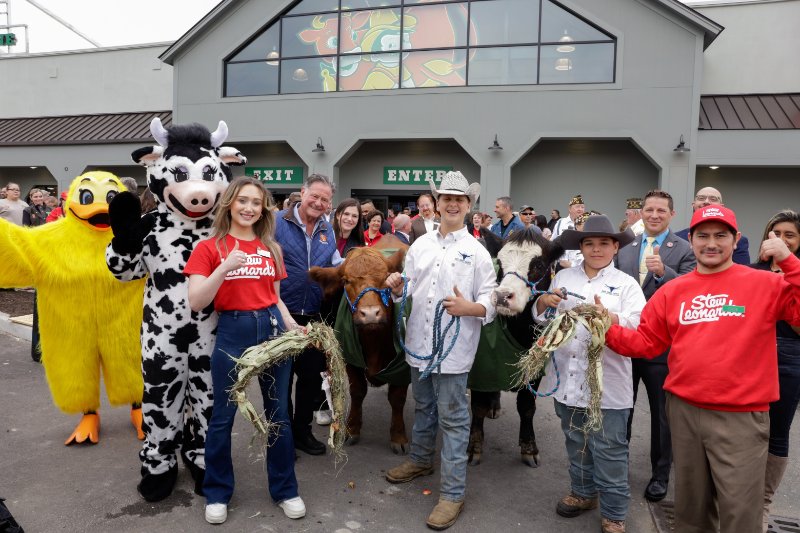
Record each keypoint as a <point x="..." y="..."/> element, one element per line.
<point x="239" y="270"/>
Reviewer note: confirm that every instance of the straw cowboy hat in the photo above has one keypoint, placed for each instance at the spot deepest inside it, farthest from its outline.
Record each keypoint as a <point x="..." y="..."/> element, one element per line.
<point x="595" y="226"/>
<point x="456" y="184"/>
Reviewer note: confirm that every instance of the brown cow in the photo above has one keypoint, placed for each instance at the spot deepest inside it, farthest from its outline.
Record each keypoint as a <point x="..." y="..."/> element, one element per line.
<point x="365" y="268"/>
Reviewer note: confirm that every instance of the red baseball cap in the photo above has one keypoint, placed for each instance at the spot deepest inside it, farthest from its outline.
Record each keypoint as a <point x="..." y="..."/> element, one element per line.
<point x="711" y="213"/>
<point x="64" y="195"/>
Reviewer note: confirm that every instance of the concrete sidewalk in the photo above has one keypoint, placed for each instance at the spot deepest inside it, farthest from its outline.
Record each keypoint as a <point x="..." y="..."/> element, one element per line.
<point x="52" y="487"/>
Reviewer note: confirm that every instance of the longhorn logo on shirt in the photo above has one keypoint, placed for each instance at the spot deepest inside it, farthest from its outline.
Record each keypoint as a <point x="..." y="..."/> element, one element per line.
<point x="465" y="258"/>
<point x="709" y="308"/>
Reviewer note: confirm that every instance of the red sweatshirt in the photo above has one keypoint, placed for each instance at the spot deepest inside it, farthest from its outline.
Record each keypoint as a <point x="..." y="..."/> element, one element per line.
<point x="720" y="329"/>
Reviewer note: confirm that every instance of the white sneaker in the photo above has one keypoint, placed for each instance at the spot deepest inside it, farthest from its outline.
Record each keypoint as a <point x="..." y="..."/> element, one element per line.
<point x="324" y="418"/>
<point x="216" y="513"/>
<point x="293" y="508"/>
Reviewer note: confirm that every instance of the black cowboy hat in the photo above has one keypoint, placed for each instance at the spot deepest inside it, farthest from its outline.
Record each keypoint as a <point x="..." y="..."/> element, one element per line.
<point x="595" y="226"/>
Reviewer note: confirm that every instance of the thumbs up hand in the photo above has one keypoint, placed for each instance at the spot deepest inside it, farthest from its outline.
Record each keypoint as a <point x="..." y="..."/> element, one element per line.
<point x="457" y="305"/>
<point x="654" y="263"/>
<point x="774" y="248"/>
<point x="236" y="259"/>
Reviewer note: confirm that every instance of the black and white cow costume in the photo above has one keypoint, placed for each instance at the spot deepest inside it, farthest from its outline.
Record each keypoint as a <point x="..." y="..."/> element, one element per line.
<point x="187" y="172"/>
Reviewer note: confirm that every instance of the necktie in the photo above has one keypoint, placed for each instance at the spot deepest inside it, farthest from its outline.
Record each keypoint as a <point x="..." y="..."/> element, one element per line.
<point x="648" y="250"/>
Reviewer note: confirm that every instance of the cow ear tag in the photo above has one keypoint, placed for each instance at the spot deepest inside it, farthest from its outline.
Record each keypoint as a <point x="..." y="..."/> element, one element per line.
<point x="263" y="253"/>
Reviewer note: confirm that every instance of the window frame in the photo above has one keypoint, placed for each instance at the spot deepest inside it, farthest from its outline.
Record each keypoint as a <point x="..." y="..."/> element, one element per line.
<point x="401" y="5"/>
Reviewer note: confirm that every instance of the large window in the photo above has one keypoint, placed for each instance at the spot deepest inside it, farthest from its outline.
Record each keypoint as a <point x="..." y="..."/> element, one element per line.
<point x="363" y="45"/>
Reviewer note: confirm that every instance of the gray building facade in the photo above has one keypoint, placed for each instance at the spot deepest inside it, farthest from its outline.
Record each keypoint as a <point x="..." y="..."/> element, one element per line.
<point x="585" y="97"/>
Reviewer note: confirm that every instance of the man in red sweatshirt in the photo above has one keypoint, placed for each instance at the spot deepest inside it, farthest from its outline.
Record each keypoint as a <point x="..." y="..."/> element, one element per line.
<point x="719" y="323"/>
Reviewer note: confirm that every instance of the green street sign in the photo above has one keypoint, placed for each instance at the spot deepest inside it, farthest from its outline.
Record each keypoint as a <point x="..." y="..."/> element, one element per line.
<point x="415" y="176"/>
<point x="278" y="175"/>
<point x="8" y="39"/>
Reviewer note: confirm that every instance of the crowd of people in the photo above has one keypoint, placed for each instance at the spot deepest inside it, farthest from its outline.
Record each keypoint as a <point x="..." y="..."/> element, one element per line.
<point x="714" y="339"/>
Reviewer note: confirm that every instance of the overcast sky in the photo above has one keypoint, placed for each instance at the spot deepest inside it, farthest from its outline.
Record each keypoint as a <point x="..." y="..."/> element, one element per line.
<point x="116" y="22"/>
<point x="109" y="22"/>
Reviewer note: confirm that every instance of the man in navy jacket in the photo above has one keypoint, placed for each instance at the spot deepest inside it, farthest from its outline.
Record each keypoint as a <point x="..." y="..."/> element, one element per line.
<point x="307" y="240"/>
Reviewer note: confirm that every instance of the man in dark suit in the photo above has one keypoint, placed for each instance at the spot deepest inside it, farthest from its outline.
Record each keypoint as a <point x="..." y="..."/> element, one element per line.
<point x="654" y="258"/>
<point x="710" y="196"/>
<point x="427" y="219"/>
<point x="402" y="228"/>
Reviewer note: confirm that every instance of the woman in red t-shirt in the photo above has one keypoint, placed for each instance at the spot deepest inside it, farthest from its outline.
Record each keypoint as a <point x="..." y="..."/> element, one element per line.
<point x="239" y="270"/>
<point x="373" y="232"/>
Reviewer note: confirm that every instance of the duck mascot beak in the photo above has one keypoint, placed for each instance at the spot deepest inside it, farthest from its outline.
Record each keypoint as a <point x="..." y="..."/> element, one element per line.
<point x="89" y="196"/>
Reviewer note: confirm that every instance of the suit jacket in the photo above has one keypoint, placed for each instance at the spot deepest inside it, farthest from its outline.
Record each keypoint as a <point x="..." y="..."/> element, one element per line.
<point x="400" y="235"/>
<point x="678" y="259"/>
<point x="418" y="228"/>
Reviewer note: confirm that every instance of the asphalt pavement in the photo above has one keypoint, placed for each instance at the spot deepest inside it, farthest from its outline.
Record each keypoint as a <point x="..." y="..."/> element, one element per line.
<point x="52" y="487"/>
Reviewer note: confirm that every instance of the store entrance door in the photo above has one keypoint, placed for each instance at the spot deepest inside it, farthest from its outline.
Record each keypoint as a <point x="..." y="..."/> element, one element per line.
<point x="393" y="199"/>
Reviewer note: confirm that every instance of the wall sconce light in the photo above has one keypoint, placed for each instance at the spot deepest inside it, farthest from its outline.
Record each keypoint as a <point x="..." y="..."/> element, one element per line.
<point x="319" y="147"/>
<point x="563" y="64"/>
<point x="495" y="145"/>
<point x="272" y="57"/>
<point x="713" y="167"/>
<point x="681" y="147"/>
<point x="566" y="47"/>
<point x="300" y="75"/>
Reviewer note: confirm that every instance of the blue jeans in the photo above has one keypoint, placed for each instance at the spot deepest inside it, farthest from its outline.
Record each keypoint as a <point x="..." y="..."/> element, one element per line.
<point x="441" y="402"/>
<point x="598" y="462"/>
<point x="238" y="330"/>
<point x="781" y="413"/>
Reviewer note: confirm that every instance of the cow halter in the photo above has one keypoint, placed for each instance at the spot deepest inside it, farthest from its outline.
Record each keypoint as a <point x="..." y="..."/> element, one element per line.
<point x="536" y="292"/>
<point x="385" y="294"/>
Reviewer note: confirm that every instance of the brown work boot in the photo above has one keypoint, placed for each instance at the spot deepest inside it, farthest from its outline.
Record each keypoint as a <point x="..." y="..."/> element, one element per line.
<point x="444" y="514"/>
<point x="407" y="471"/>
<point x="572" y="505"/>
<point x="612" y="526"/>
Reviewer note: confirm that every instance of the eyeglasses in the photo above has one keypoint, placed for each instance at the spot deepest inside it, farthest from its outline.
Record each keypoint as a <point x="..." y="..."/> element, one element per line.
<point x="704" y="197"/>
<point x="12" y="190"/>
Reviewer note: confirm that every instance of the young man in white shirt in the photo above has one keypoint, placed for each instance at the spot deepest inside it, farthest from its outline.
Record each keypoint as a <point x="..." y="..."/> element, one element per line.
<point x="451" y="266"/>
<point x="598" y="460"/>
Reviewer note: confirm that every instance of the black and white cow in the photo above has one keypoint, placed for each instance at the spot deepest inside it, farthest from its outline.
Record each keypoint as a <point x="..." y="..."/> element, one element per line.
<point x="525" y="261"/>
<point x="187" y="173"/>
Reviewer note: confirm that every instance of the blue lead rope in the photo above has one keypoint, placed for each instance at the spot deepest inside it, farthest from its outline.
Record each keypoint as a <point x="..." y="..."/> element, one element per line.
<point x="385" y="294"/>
<point x="439" y="354"/>
<point x="549" y="314"/>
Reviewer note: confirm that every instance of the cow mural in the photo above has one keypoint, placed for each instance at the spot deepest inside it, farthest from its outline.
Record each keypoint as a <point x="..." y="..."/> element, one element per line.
<point x="187" y="172"/>
<point x="366" y="311"/>
<point x="524" y="264"/>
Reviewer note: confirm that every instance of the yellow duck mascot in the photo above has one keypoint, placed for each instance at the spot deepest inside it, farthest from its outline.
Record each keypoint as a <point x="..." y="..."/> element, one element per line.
<point x="88" y="320"/>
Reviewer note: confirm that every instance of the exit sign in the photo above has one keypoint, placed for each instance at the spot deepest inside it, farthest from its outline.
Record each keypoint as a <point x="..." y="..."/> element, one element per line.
<point x="8" y="39"/>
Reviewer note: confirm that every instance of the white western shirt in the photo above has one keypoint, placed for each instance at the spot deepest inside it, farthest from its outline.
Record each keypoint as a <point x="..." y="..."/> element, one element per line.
<point x="434" y="265"/>
<point x="620" y="294"/>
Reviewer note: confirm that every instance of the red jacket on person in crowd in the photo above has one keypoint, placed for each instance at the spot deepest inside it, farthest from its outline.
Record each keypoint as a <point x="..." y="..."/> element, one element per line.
<point x="720" y="329"/>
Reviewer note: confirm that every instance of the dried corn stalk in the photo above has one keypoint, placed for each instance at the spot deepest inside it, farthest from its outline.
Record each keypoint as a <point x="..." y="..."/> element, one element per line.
<point x="556" y="335"/>
<point x="258" y="358"/>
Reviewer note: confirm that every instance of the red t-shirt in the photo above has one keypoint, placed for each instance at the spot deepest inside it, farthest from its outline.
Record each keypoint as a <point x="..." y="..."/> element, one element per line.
<point x="371" y="242"/>
<point x="244" y="289"/>
<point x="720" y="329"/>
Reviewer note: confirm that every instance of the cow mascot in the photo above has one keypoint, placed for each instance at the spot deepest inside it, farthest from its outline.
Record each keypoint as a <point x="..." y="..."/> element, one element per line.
<point x="187" y="172"/>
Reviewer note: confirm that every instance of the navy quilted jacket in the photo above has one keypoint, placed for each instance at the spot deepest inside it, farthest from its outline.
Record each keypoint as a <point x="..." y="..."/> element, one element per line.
<point x="298" y="292"/>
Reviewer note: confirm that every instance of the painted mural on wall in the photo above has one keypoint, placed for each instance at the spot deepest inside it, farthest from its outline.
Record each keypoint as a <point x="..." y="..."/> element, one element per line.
<point x="375" y="38"/>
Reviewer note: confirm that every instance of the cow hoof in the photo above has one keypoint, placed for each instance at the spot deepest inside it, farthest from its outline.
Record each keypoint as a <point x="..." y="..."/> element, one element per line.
<point x="474" y="459"/>
<point x="398" y="448"/>
<point x="531" y="460"/>
<point x="352" y="440"/>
